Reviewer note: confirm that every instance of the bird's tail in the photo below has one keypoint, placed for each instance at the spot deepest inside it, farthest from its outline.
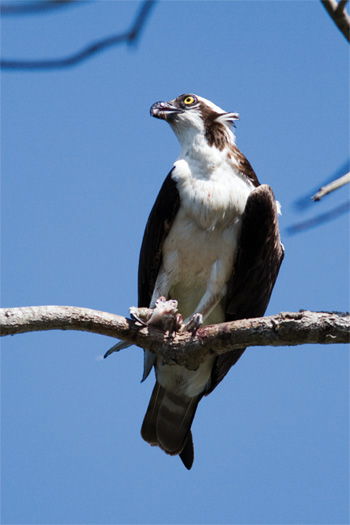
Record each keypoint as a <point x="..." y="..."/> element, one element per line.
<point x="167" y="423"/>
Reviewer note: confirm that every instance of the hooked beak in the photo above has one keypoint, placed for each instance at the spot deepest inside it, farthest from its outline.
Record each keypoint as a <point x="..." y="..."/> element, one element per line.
<point x="164" y="110"/>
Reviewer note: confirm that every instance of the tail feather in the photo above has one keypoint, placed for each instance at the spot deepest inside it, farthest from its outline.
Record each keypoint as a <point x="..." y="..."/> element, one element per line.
<point x="148" y="429"/>
<point x="187" y="453"/>
<point x="168" y="421"/>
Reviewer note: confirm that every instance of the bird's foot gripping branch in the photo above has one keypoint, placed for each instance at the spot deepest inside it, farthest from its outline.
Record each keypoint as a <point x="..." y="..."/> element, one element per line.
<point x="165" y="317"/>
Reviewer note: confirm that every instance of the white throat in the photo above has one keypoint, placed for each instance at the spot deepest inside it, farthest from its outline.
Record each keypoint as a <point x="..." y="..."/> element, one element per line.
<point x="195" y="150"/>
<point x="189" y="129"/>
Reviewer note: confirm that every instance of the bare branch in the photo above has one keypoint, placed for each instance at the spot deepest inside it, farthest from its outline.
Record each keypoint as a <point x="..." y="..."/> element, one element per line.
<point x="305" y="202"/>
<point x="336" y="11"/>
<point x="284" y="329"/>
<point x="41" y="6"/>
<point x="130" y="36"/>
<point x="319" y="219"/>
<point x="337" y="180"/>
<point x="334" y="185"/>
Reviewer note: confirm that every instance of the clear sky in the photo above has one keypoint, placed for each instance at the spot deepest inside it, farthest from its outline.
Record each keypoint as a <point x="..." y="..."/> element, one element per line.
<point x="82" y="162"/>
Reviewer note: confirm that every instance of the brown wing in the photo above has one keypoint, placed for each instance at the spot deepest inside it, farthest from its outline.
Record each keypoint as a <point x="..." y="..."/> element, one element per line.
<point x="244" y="165"/>
<point x="255" y="270"/>
<point x="162" y="425"/>
<point x="158" y="225"/>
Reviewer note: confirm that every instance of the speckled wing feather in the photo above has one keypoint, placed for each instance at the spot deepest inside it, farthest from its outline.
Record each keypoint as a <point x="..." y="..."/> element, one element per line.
<point x="256" y="268"/>
<point x="157" y="228"/>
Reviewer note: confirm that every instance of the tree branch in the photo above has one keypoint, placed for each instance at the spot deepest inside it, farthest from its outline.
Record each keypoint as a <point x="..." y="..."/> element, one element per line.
<point x="304" y="202"/>
<point x="284" y="329"/>
<point x="332" y="186"/>
<point x="327" y="216"/>
<point x="41" y="6"/>
<point x="336" y="11"/>
<point x="130" y="36"/>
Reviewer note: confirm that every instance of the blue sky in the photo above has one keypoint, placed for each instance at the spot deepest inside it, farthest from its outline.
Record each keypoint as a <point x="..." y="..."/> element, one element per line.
<point x="82" y="162"/>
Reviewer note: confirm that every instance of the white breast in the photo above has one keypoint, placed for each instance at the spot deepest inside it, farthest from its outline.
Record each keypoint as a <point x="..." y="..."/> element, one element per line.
<point x="203" y="237"/>
<point x="205" y="230"/>
<point x="212" y="196"/>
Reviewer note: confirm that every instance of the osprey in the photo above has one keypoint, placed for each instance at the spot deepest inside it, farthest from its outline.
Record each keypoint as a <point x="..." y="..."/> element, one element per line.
<point x="212" y="243"/>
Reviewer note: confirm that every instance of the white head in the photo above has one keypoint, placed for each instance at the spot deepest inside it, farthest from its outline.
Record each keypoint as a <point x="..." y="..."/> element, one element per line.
<point x="190" y="115"/>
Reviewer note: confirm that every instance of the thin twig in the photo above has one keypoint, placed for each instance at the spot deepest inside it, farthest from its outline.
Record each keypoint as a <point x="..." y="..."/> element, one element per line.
<point x="338" y="14"/>
<point x="334" y="185"/>
<point x="320" y="219"/>
<point x="130" y="36"/>
<point x="284" y="329"/>
<point x="305" y="202"/>
<point x="41" y="6"/>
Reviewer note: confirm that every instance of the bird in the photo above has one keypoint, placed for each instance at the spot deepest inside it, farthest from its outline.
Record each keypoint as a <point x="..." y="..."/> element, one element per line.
<point x="212" y="245"/>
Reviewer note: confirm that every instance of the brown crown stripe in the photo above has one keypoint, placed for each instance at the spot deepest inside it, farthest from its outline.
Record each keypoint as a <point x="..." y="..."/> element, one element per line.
<point x="216" y="135"/>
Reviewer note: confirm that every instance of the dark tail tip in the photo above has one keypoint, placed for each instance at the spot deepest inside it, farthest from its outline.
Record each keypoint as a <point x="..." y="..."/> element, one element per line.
<point x="187" y="453"/>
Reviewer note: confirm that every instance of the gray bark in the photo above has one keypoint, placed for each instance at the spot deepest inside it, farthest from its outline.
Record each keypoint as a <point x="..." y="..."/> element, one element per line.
<point x="284" y="329"/>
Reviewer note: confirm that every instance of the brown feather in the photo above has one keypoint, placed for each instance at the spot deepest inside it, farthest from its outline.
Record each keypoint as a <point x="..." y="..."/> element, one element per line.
<point x="168" y="421"/>
<point x="148" y="429"/>
<point x="255" y="272"/>
<point x="157" y="228"/>
<point x="215" y="132"/>
<point x="243" y="164"/>
<point x="187" y="454"/>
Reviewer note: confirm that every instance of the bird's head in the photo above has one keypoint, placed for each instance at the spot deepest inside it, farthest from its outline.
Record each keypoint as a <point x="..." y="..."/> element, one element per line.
<point x="191" y="116"/>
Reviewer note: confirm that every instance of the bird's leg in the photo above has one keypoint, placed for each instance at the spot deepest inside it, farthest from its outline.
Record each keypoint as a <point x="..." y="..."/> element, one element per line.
<point x="164" y="316"/>
<point x="146" y="316"/>
<point x="165" y="313"/>
<point x="204" y="308"/>
<point x="161" y="287"/>
<point x="215" y="291"/>
<point x="192" y="323"/>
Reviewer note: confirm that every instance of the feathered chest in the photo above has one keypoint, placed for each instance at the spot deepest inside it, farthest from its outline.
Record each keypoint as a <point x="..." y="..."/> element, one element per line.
<point x="212" y="196"/>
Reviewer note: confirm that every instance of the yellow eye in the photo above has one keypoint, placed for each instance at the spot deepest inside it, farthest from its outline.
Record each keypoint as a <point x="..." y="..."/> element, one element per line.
<point x="188" y="100"/>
